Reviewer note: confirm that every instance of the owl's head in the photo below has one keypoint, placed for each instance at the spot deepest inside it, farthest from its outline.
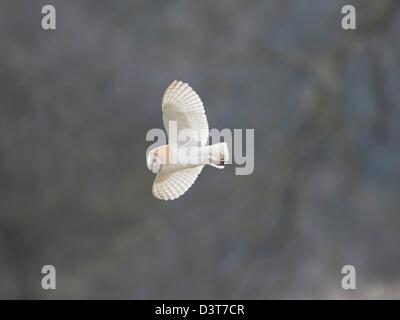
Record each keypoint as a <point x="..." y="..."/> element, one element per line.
<point x="153" y="162"/>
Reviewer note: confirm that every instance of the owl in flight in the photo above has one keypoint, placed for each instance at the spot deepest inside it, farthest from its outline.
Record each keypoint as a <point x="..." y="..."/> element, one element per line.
<point x="178" y="163"/>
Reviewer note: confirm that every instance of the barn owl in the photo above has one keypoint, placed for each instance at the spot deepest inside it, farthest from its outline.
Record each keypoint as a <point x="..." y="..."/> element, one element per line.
<point x="183" y="111"/>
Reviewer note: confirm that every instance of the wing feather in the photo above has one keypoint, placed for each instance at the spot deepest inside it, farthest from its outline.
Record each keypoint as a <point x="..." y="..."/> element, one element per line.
<point x="182" y="104"/>
<point x="171" y="185"/>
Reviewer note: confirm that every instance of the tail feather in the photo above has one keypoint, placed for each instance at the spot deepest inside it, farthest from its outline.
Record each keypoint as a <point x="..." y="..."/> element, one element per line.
<point x="219" y="155"/>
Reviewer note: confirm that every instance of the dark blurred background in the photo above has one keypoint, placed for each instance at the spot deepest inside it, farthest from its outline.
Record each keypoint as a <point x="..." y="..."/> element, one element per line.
<point x="75" y="107"/>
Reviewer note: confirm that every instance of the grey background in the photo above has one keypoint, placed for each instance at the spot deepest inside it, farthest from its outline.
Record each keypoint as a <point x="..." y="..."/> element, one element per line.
<point x="75" y="106"/>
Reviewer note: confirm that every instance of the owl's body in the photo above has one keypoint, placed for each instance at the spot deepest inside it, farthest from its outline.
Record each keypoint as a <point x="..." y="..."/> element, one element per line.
<point x="178" y="164"/>
<point x="214" y="155"/>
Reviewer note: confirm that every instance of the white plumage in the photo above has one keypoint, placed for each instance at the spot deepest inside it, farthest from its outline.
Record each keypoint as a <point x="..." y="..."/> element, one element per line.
<point x="182" y="105"/>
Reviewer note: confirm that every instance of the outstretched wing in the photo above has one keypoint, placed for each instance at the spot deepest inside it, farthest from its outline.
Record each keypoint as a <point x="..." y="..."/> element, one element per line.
<point x="171" y="185"/>
<point x="182" y="104"/>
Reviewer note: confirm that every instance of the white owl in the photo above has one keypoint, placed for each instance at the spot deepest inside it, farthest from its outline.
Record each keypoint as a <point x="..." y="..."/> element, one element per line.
<point x="182" y="107"/>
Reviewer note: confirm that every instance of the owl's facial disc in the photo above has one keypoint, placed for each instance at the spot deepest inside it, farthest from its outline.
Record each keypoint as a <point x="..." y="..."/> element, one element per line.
<point x="156" y="165"/>
<point x="153" y="163"/>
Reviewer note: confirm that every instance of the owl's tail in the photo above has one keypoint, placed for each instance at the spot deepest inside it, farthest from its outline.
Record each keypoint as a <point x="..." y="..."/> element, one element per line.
<point x="219" y="155"/>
